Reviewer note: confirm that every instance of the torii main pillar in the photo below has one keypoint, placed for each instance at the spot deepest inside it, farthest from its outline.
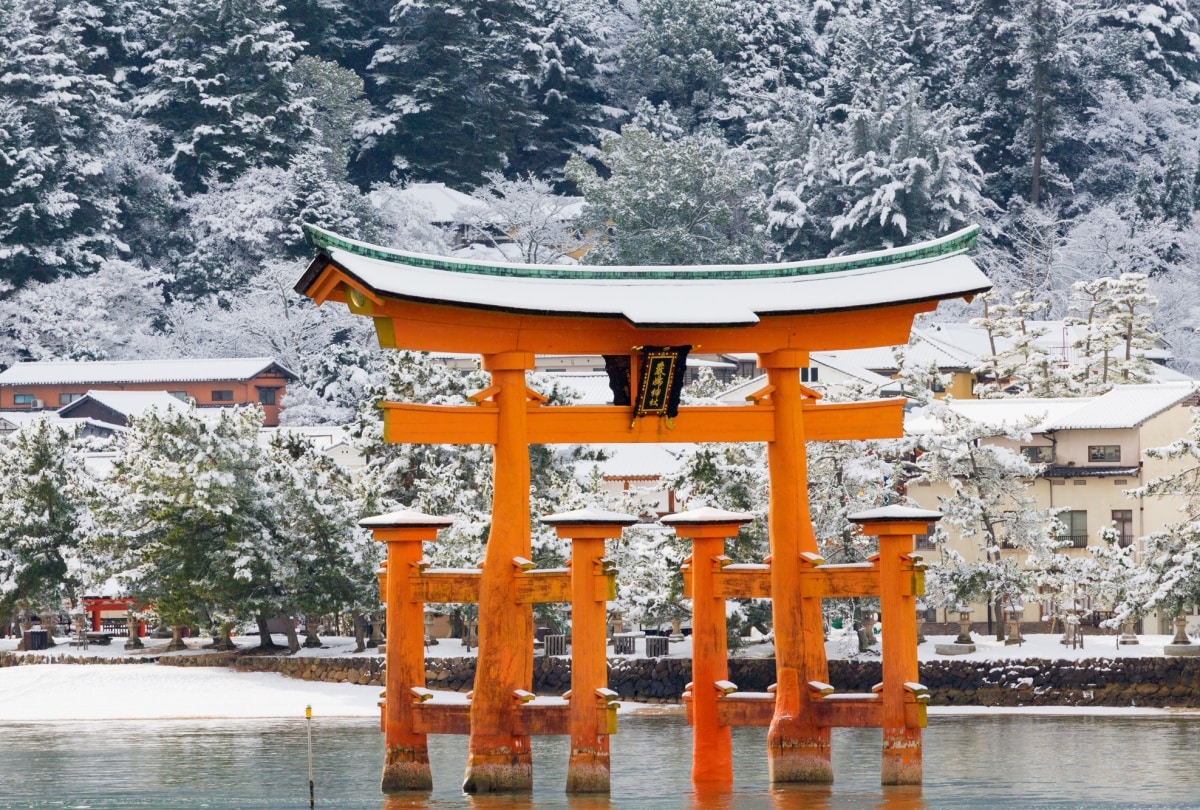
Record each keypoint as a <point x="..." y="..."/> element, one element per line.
<point x="499" y="760"/>
<point x="797" y="749"/>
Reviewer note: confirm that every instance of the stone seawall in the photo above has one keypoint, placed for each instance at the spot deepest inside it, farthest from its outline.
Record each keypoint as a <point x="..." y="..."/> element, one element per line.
<point x="1153" y="682"/>
<point x="8" y="659"/>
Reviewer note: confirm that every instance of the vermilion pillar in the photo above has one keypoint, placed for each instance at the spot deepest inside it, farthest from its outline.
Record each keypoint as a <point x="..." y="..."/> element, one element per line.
<point x="406" y="753"/>
<point x="797" y="750"/>
<point x="712" y="743"/>
<point x="498" y="759"/>
<point x="588" y="769"/>
<point x="899" y="586"/>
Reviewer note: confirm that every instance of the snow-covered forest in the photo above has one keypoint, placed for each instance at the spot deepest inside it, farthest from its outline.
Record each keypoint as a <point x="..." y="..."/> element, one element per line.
<point x="157" y="160"/>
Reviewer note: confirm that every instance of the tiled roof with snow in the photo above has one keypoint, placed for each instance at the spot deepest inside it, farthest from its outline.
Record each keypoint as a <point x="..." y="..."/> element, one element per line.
<point x="188" y="369"/>
<point x="127" y="403"/>
<point x="1125" y="406"/>
<point x="592" y="386"/>
<point x="443" y="203"/>
<point x="708" y="295"/>
<point x="926" y="347"/>
<point x="634" y="460"/>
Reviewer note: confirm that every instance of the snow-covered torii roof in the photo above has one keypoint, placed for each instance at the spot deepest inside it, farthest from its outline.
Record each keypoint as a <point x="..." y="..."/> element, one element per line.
<point x="661" y="296"/>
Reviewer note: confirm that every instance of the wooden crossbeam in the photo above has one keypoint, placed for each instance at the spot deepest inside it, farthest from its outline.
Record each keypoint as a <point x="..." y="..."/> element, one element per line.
<point x="545" y="585"/>
<point x="532" y="587"/>
<point x="608" y="424"/>
<point x="746" y="709"/>
<point x="537" y="719"/>
<point x="736" y="581"/>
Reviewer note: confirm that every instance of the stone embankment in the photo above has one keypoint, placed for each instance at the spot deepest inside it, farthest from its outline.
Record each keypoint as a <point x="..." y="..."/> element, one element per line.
<point x="1151" y="682"/>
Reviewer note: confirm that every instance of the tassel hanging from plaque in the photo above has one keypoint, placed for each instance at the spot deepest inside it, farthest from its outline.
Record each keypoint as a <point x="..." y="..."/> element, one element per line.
<point x="660" y="381"/>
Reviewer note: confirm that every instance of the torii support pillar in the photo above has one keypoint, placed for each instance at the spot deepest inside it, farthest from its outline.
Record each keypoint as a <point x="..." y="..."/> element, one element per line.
<point x="498" y="758"/>
<point x="588" y="769"/>
<point x="798" y="749"/>
<point x="895" y="527"/>
<point x="406" y="752"/>
<point x="712" y="742"/>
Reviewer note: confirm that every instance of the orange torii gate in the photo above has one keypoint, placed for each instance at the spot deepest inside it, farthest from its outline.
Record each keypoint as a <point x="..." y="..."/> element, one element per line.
<point x="510" y="313"/>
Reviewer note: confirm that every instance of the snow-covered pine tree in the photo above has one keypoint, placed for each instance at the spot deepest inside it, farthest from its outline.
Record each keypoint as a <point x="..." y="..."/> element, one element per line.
<point x="46" y="519"/>
<point x="988" y="503"/>
<point x="684" y="201"/>
<point x="1167" y="575"/>
<point x="57" y="214"/>
<point x="326" y="562"/>
<point x="527" y="215"/>
<point x="221" y="91"/>
<point x="452" y="89"/>
<point x="1018" y="362"/>
<point x="1115" y="332"/>
<point x="186" y="523"/>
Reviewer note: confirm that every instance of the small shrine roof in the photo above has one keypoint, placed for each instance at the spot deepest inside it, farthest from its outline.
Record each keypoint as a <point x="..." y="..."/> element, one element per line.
<point x="661" y="296"/>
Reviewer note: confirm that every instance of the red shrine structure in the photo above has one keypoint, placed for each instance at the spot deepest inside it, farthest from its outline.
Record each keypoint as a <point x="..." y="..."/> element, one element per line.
<point x="644" y="320"/>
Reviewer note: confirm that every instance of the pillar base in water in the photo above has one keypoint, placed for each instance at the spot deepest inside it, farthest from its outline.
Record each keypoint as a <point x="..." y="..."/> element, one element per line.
<point x="499" y="773"/>
<point x="901" y="763"/>
<point x="588" y="772"/>
<point x="800" y="764"/>
<point x="406" y="768"/>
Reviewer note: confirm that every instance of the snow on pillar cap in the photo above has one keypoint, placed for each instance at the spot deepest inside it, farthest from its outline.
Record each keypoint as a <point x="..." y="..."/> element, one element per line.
<point x="405" y="519"/>
<point x="589" y="516"/>
<point x="705" y="514"/>
<point x="895" y="512"/>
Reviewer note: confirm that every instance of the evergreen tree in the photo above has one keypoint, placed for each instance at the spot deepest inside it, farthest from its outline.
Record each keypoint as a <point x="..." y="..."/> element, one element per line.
<point x="566" y="95"/>
<point x="1167" y="575"/>
<point x="989" y="503"/>
<point x="452" y="87"/>
<point x="57" y="215"/>
<point x="679" y="53"/>
<point x="187" y="527"/>
<point x="220" y="89"/>
<point x="45" y="519"/>
<point x="1115" y="332"/>
<point x="326" y="563"/>
<point x="687" y="201"/>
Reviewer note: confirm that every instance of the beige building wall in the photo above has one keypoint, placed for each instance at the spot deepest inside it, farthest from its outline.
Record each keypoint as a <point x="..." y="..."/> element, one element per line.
<point x="1098" y="496"/>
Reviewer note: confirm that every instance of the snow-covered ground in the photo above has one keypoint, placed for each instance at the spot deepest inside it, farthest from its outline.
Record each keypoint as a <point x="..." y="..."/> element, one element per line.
<point x="72" y="692"/>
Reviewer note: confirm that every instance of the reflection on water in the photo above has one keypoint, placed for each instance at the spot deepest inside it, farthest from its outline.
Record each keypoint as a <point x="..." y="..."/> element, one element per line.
<point x="970" y="762"/>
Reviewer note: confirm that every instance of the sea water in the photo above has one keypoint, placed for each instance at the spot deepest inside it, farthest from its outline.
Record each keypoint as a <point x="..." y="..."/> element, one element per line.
<point x="993" y="761"/>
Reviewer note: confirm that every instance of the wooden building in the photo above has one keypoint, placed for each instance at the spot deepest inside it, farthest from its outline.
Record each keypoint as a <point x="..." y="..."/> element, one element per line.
<point x="209" y="382"/>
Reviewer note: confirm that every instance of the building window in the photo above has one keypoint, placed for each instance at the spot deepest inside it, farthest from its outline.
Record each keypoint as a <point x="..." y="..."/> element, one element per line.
<point x="23" y="399"/>
<point x="67" y="399"/>
<point x="182" y="396"/>
<point x="925" y="541"/>
<point x="1123" y="523"/>
<point x="1038" y="454"/>
<point x="808" y="375"/>
<point x="268" y="396"/>
<point x="222" y="396"/>
<point x="1104" y="452"/>
<point x="1076" y="523"/>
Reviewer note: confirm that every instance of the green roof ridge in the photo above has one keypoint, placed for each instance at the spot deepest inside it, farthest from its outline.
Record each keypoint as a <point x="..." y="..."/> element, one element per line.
<point x="949" y="245"/>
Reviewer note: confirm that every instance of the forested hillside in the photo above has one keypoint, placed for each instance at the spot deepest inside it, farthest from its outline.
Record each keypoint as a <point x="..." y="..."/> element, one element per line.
<point x="158" y="156"/>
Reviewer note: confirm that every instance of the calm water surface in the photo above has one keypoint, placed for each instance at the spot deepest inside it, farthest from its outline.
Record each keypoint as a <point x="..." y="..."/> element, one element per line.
<point x="970" y="762"/>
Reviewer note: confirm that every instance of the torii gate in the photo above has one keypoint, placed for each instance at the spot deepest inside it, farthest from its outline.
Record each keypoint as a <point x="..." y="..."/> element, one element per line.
<point x="509" y="313"/>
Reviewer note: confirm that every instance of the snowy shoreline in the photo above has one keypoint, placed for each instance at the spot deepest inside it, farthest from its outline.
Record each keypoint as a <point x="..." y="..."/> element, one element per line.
<point x="136" y="692"/>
